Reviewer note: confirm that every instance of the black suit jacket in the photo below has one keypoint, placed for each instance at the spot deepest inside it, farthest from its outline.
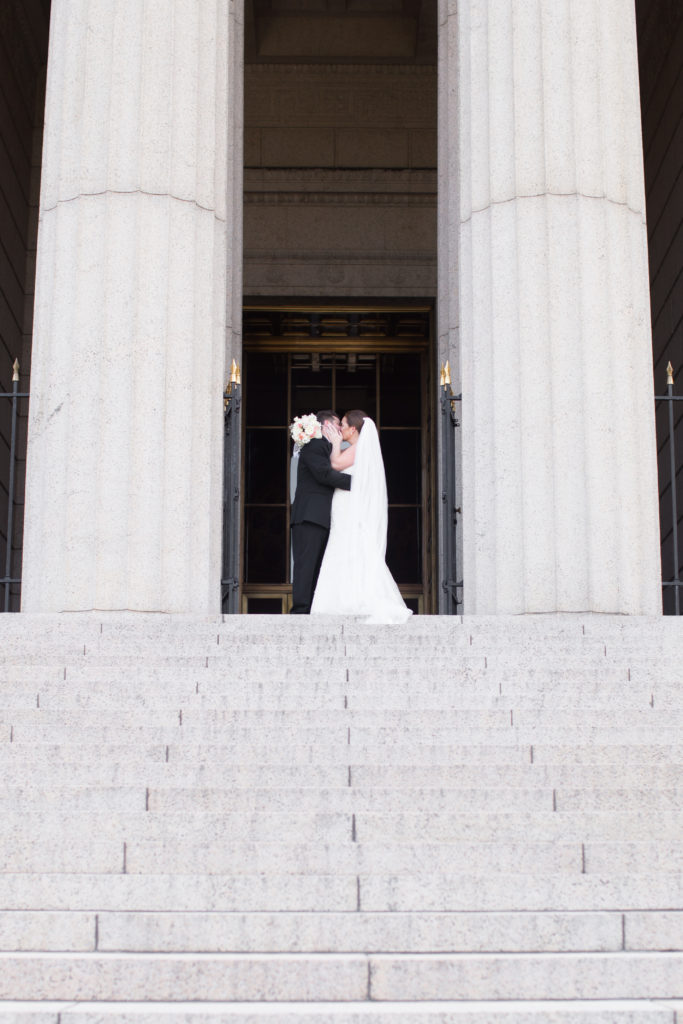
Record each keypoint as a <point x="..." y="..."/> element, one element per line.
<point x="315" y="484"/>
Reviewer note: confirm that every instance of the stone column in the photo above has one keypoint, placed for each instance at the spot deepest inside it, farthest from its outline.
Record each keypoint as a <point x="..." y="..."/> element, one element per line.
<point x="560" y="486"/>
<point x="135" y="260"/>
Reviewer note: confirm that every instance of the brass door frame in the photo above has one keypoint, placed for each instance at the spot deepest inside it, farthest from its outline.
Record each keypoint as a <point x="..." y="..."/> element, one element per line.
<point x="426" y="593"/>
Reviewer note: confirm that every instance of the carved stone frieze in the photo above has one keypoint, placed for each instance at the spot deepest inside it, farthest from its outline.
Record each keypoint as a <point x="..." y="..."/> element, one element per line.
<point x="397" y="274"/>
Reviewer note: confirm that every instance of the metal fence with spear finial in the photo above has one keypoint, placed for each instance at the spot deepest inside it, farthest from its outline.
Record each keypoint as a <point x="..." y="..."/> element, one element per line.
<point x="232" y="407"/>
<point x="8" y="581"/>
<point x="675" y="582"/>
<point x="450" y="598"/>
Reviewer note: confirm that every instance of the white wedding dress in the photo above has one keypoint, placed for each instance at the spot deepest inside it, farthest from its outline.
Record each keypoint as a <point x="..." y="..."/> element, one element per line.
<point x="354" y="578"/>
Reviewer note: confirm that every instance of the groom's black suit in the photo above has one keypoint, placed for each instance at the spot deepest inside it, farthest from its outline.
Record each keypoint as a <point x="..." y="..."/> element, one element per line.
<point x="315" y="484"/>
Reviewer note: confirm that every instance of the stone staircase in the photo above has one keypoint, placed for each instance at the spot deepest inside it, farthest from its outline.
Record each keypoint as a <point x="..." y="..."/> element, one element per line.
<point x="290" y="819"/>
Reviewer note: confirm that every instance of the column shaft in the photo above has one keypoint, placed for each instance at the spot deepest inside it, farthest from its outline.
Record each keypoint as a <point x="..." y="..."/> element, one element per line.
<point x="123" y="503"/>
<point x="559" y="467"/>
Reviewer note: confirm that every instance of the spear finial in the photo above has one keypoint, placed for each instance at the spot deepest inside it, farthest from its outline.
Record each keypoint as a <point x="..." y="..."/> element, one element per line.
<point x="670" y="374"/>
<point x="15" y="367"/>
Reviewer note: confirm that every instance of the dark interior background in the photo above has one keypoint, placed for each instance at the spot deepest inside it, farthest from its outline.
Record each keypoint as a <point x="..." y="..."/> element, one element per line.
<point x="660" y="50"/>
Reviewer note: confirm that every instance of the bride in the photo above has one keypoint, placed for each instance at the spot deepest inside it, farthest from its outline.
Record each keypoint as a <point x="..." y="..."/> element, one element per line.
<point x="354" y="578"/>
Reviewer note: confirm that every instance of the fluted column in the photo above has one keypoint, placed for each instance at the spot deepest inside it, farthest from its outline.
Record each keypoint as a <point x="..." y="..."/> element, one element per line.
<point x="559" y="491"/>
<point x="135" y="260"/>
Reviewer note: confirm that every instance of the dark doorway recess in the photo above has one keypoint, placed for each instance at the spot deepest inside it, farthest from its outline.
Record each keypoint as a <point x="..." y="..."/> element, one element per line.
<point x="298" y="360"/>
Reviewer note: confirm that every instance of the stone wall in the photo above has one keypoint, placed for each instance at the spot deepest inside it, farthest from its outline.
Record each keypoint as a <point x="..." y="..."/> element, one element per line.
<point x="340" y="180"/>
<point x="660" y="27"/>
<point x="23" y="54"/>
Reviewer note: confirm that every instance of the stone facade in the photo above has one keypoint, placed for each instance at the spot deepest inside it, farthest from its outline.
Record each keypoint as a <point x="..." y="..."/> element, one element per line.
<point x="517" y="205"/>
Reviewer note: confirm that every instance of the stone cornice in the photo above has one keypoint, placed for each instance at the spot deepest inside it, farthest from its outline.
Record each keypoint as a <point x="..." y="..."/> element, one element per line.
<point x="340" y="198"/>
<point x="336" y="256"/>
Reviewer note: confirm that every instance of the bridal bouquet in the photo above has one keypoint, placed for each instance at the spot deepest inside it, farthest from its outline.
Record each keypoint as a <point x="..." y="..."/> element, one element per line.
<point x="304" y="429"/>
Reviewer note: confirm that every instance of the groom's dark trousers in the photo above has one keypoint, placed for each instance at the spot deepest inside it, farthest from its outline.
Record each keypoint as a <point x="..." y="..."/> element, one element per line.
<point x="315" y="484"/>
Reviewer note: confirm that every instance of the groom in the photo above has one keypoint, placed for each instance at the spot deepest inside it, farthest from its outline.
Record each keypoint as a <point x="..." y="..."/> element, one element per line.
<point x="315" y="484"/>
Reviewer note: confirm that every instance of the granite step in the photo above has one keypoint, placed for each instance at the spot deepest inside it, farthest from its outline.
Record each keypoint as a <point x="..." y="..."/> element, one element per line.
<point x="510" y="824"/>
<point x="368" y="932"/>
<point x="607" y="858"/>
<point x="300" y="663"/>
<point x="311" y="800"/>
<point x="504" y="726"/>
<point x="246" y="699"/>
<point x="583" y="753"/>
<point x="322" y="894"/>
<point x="168" y="854"/>
<point x="431" y="723"/>
<point x="243" y="702"/>
<point x="292" y="932"/>
<point x="192" y="648"/>
<point x="549" y="931"/>
<point x="171" y="855"/>
<point x="340" y="977"/>
<point x="329" y="1012"/>
<point x="64" y="931"/>
<point x="219" y="660"/>
<point x="192" y="651"/>
<point x="211" y="774"/>
<point x="326" y="813"/>
<point x="173" y="931"/>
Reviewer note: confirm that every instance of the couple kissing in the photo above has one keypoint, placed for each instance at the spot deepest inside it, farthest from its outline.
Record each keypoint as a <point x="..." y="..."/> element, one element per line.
<point x="339" y="522"/>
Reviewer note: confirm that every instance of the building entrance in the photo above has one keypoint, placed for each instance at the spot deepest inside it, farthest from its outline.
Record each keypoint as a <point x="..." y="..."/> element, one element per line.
<point x="300" y="360"/>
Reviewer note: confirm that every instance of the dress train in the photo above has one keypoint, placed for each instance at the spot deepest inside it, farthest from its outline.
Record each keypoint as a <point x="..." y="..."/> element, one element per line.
<point x="354" y="578"/>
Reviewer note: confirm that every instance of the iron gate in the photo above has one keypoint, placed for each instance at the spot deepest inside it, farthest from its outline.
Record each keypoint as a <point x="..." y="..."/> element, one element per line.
<point x="450" y="599"/>
<point x="232" y="409"/>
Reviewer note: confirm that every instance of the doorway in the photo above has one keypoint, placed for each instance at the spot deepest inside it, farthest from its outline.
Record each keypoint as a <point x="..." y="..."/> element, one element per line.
<point x="301" y="359"/>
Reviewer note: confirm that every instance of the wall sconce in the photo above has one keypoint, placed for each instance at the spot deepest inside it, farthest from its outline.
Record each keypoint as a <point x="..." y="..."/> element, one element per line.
<point x="233" y="386"/>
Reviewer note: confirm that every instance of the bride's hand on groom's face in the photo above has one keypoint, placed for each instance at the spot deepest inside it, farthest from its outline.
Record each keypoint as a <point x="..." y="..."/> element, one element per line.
<point x="331" y="432"/>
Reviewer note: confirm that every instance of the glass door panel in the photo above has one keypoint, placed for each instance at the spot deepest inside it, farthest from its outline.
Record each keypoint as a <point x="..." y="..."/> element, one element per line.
<point x="356" y="384"/>
<point x="266" y="495"/>
<point x="311" y="384"/>
<point x="265" y="536"/>
<point x="267" y="406"/>
<point x="401" y="398"/>
<point x="265" y="447"/>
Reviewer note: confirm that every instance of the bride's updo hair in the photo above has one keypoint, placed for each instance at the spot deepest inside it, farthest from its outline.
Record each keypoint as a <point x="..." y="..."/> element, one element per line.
<point x="355" y="418"/>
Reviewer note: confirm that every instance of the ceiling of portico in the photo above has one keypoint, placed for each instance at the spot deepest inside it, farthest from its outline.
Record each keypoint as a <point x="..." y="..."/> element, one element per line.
<point x="341" y="31"/>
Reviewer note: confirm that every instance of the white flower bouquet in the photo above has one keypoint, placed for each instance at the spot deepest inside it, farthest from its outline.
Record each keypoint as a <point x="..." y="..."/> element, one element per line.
<point x="304" y="429"/>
